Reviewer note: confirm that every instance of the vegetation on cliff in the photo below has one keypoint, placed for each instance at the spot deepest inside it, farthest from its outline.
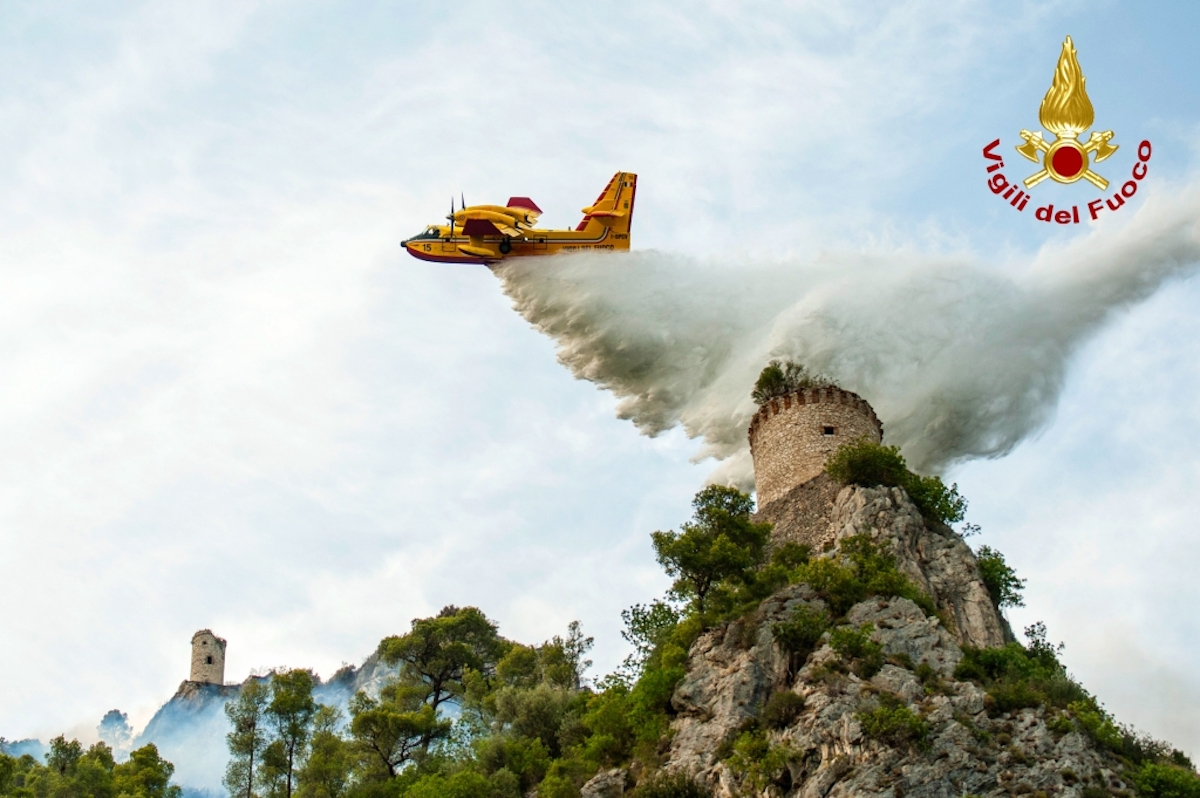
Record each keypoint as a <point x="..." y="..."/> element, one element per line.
<point x="720" y="547"/>
<point x="474" y="714"/>
<point x="1002" y="582"/>
<point x="1017" y="677"/>
<point x="870" y="464"/>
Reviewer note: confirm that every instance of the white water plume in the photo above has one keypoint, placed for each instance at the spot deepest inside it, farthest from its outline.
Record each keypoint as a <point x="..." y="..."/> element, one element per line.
<point x="959" y="360"/>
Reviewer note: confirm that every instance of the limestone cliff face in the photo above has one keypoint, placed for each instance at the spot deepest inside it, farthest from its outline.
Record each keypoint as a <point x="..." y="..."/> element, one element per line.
<point x="368" y="677"/>
<point x="821" y="515"/>
<point x="934" y="557"/>
<point x="733" y="670"/>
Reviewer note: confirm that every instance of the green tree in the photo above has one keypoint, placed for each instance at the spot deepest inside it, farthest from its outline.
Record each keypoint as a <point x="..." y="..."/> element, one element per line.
<point x="863" y="462"/>
<point x="72" y="772"/>
<point x="291" y="712"/>
<point x="855" y="646"/>
<point x="524" y="757"/>
<point x="521" y="666"/>
<point x="892" y="722"/>
<point x="781" y="377"/>
<point x="721" y="543"/>
<point x="8" y="767"/>
<point x="562" y="659"/>
<point x="536" y="713"/>
<point x="1001" y="580"/>
<point x="145" y="775"/>
<point x="94" y="772"/>
<point x="271" y="778"/>
<point x="1166" y="781"/>
<point x="463" y="784"/>
<point x="802" y="631"/>
<point x="247" y="739"/>
<point x="396" y="728"/>
<point x="63" y="755"/>
<point x="440" y="652"/>
<point x="559" y="661"/>
<point x="647" y="626"/>
<point x="326" y="771"/>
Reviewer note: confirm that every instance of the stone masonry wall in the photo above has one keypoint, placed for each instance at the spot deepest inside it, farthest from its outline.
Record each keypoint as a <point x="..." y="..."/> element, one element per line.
<point x="791" y="436"/>
<point x="803" y="514"/>
<point x="208" y="658"/>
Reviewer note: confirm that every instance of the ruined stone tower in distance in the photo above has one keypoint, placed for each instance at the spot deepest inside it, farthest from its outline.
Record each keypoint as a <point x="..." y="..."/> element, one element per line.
<point x="208" y="658"/>
<point x="791" y="436"/>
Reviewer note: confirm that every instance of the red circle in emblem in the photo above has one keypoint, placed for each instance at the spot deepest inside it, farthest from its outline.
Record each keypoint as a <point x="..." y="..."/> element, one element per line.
<point x="1068" y="161"/>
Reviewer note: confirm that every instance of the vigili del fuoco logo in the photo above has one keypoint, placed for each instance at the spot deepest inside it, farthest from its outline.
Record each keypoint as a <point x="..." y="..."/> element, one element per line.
<point x="1067" y="113"/>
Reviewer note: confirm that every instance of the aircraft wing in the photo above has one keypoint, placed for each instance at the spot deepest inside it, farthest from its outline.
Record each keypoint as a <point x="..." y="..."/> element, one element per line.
<point x="500" y="223"/>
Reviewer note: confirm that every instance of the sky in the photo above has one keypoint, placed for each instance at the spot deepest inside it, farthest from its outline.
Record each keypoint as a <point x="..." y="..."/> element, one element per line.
<point x="230" y="400"/>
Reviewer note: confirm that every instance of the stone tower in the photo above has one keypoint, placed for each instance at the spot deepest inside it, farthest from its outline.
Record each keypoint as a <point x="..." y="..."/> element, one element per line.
<point x="208" y="658"/>
<point x="791" y="436"/>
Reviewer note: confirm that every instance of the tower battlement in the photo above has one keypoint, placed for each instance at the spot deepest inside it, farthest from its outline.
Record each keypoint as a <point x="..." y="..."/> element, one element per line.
<point x="792" y="436"/>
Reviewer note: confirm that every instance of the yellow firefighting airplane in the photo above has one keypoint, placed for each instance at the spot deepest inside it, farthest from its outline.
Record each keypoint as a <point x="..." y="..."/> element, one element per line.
<point x="488" y="234"/>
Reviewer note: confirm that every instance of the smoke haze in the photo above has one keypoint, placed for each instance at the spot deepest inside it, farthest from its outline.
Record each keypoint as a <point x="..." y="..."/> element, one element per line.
<point x="961" y="359"/>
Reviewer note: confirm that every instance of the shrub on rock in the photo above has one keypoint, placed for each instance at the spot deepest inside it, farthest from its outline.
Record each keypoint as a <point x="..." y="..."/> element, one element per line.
<point x="869" y="464"/>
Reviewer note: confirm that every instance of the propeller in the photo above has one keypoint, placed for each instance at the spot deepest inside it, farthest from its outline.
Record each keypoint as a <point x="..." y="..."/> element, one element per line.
<point x="451" y="216"/>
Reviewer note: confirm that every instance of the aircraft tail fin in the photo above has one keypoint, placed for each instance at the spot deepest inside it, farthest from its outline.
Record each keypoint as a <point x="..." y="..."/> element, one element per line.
<point x="613" y="208"/>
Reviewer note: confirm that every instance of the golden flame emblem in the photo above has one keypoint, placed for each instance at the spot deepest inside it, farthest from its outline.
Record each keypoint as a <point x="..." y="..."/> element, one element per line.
<point x="1067" y="112"/>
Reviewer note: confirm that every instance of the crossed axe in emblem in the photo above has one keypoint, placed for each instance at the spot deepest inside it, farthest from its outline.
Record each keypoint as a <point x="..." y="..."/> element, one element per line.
<point x="1098" y="143"/>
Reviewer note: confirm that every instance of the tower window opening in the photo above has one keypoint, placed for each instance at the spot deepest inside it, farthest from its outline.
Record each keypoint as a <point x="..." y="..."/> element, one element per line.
<point x="208" y="660"/>
<point x="830" y="430"/>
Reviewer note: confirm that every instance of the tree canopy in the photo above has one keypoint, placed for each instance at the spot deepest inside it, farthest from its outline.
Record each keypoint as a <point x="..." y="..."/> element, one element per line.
<point x="439" y="652"/>
<point x="720" y="543"/>
<point x="73" y="772"/>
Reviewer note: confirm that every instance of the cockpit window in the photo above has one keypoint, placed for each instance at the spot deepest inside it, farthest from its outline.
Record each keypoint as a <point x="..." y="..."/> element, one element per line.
<point x="431" y="232"/>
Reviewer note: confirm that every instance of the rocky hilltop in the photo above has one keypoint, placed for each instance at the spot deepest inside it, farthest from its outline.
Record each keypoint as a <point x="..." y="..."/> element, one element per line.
<point x="906" y="726"/>
<point x="842" y="641"/>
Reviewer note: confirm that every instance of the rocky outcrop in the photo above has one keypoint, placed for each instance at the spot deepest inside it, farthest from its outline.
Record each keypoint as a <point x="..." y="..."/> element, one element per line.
<point x="734" y="670"/>
<point x="605" y="784"/>
<point x="732" y="673"/>
<point x="932" y="555"/>
<point x="820" y="514"/>
<point x="370" y="677"/>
